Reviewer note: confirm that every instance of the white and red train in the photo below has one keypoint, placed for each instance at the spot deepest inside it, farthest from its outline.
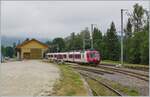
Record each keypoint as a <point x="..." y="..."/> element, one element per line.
<point x="88" y="56"/>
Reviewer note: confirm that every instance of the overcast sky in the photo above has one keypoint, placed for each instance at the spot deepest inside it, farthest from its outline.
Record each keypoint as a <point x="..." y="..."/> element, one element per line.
<point x="50" y="19"/>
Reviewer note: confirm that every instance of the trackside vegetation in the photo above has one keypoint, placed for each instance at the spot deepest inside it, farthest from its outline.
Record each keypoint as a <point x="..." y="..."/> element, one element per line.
<point x="70" y="83"/>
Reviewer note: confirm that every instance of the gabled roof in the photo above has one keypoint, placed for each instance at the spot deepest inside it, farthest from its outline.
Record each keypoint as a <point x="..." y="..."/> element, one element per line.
<point x="28" y="41"/>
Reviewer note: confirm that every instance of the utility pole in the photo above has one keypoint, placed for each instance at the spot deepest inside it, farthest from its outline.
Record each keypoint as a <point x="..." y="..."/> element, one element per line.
<point x="92" y="36"/>
<point x="73" y="47"/>
<point x="57" y="48"/>
<point x="83" y="41"/>
<point x="121" y="36"/>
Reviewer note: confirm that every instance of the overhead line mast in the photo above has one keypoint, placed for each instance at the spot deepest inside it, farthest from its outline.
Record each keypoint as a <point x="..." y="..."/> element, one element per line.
<point x="92" y="36"/>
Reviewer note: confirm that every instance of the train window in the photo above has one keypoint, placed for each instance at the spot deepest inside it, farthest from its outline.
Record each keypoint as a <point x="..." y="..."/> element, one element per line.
<point x="75" y="56"/>
<point x="59" y="56"/>
<point x="70" y="55"/>
<point x="55" y="56"/>
<point x="64" y="56"/>
<point x="78" y="56"/>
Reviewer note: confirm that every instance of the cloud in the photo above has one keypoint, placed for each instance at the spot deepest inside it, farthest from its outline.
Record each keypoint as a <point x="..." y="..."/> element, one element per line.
<point x="50" y="19"/>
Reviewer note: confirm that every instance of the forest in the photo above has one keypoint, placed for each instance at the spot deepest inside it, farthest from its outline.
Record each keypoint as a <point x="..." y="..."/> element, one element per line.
<point x="135" y="40"/>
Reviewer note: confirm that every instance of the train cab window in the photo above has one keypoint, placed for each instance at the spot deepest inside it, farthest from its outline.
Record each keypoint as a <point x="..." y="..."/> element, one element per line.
<point x="92" y="55"/>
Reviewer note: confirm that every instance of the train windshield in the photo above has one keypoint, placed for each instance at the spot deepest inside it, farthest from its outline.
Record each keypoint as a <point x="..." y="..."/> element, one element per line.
<point x="94" y="55"/>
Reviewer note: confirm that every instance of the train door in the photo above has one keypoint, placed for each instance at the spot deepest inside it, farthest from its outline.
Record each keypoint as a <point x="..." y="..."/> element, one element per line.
<point x="82" y="57"/>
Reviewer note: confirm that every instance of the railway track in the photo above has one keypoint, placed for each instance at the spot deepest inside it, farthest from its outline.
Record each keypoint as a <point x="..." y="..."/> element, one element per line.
<point x="102" y="83"/>
<point x="126" y="72"/>
<point x="111" y="70"/>
<point x="130" y="71"/>
<point x="98" y="71"/>
<point x="140" y="69"/>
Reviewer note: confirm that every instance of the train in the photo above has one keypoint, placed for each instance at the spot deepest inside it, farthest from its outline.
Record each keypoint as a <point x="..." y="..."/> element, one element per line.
<point x="87" y="56"/>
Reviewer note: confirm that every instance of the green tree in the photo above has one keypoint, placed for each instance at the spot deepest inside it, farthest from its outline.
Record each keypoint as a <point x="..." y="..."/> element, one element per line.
<point x="58" y="44"/>
<point x="14" y="49"/>
<point x="112" y="43"/>
<point x="137" y="17"/>
<point x="9" y="51"/>
<point x="97" y="40"/>
<point x="50" y="45"/>
<point x="86" y="38"/>
<point x="134" y="48"/>
<point x="128" y="35"/>
<point x="78" y="42"/>
<point x="3" y="50"/>
<point x="104" y="50"/>
<point x="136" y="44"/>
<point x="144" y="47"/>
<point x="70" y="42"/>
<point x="128" y="30"/>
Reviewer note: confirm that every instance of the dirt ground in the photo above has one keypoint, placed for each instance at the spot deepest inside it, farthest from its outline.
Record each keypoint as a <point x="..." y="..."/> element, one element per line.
<point x="27" y="78"/>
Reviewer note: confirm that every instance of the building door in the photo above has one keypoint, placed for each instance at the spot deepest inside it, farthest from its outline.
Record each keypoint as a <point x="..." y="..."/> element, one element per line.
<point x="26" y="55"/>
<point x="36" y="53"/>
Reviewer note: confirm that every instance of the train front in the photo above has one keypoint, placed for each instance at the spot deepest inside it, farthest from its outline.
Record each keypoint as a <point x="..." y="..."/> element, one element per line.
<point x="93" y="57"/>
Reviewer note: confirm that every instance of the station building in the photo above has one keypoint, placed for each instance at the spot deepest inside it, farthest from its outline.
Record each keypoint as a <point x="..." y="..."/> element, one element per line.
<point x="31" y="49"/>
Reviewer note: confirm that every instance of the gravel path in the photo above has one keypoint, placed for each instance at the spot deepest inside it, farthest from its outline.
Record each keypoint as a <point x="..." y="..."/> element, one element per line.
<point x="27" y="78"/>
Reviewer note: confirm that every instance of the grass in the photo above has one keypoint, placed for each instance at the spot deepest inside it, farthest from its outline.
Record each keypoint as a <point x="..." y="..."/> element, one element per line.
<point x="103" y="91"/>
<point x="99" y="89"/>
<point x="70" y="83"/>
<point x="127" y="65"/>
